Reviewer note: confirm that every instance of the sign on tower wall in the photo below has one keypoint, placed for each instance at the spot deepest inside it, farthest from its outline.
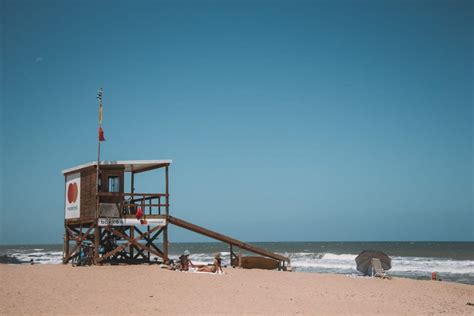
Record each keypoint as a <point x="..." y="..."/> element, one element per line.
<point x="73" y="196"/>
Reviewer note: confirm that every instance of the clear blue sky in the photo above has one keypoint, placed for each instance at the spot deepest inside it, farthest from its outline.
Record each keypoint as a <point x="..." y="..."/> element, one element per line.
<point x="286" y="120"/>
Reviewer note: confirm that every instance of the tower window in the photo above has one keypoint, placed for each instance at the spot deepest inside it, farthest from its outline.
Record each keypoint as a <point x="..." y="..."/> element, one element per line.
<point x="114" y="184"/>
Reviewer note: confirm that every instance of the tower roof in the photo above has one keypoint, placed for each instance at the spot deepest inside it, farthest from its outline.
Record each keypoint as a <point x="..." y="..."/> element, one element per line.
<point x="129" y="165"/>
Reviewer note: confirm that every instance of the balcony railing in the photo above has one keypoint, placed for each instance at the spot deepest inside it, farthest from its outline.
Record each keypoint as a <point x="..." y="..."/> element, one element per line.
<point x="128" y="203"/>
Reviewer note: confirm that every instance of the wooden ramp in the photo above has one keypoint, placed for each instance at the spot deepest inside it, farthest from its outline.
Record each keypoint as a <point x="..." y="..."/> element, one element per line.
<point x="231" y="241"/>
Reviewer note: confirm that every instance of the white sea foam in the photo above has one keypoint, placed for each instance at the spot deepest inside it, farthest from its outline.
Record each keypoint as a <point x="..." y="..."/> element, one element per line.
<point x="306" y="261"/>
<point x="42" y="257"/>
<point x="413" y="264"/>
<point x="345" y="257"/>
<point x="346" y="262"/>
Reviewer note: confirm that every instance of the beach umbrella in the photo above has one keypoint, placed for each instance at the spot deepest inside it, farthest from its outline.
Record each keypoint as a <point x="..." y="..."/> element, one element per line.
<point x="364" y="260"/>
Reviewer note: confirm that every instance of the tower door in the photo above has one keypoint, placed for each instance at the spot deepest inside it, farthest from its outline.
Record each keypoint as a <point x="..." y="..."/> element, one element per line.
<point x="112" y="182"/>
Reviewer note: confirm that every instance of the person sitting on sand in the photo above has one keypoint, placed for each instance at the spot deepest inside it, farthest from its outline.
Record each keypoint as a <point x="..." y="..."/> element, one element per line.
<point x="216" y="265"/>
<point x="184" y="262"/>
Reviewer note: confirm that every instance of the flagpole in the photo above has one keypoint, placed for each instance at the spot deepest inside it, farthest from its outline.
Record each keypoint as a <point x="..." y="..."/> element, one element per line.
<point x="99" y="97"/>
<point x="97" y="177"/>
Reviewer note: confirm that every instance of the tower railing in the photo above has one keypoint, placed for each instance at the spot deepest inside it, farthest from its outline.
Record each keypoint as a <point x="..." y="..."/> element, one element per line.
<point x="128" y="203"/>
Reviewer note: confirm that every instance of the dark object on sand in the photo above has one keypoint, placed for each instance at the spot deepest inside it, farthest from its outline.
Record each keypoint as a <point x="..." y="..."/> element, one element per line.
<point x="10" y="260"/>
<point x="255" y="262"/>
<point x="84" y="256"/>
<point x="364" y="261"/>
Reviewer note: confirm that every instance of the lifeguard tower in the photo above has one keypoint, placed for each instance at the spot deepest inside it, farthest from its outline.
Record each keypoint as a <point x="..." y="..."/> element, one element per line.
<point x="124" y="227"/>
<point x="98" y="210"/>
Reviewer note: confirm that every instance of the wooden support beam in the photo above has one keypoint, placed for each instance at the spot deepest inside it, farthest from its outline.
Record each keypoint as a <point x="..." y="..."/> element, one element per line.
<point x="148" y="241"/>
<point x="113" y="252"/>
<point x="167" y="192"/>
<point x="130" y="241"/>
<point x="157" y="234"/>
<point x="102" y="234"/>
<point x="140" y="252"/>
<point x="158" y="250"/>
<point x="96" y="242"/>
<point x="140" y="195"/>
<point x="72" y="230"/>
<point x="132" y="234"/>
<point x="165" y="244"/>
<point x="226" y="239"/>
<point x="78" y="243"/>
<point x="138" y="230"/>
<point x="66" y="245"/>
<point x="151" y="168"/>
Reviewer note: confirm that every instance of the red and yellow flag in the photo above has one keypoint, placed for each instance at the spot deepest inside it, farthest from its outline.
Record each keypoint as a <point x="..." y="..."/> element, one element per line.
<point x="101" y="115"/>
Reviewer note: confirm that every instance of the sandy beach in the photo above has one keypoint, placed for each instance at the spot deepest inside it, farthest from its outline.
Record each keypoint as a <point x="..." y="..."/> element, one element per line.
<point x="147" y="289"/>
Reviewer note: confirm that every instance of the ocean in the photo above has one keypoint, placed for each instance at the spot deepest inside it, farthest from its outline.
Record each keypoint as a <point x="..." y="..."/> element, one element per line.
<point x="453" y="261"/>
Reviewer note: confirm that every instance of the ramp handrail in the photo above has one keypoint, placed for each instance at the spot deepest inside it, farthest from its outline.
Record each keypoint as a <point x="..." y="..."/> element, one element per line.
<point x="209" y="233"/>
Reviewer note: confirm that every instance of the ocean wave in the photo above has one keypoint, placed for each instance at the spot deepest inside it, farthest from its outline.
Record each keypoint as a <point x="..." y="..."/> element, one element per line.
<point x="300" y="261"/>
<point x="41" y="257"/>
<point x="333" y="256"/>
<point x="399" y="264"/>
<point x="412" y="264"/>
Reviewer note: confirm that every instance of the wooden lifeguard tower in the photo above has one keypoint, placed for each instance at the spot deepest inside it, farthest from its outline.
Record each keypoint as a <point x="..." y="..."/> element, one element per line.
<point x="124" y="227"/>
<point x="100" y="212"/>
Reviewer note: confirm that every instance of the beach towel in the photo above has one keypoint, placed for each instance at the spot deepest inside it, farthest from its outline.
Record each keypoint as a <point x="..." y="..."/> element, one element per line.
<point x="194" y="270"/>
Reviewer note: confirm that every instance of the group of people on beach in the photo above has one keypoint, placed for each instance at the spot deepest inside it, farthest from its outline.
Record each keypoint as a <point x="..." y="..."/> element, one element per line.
<point x="184" y="264"/>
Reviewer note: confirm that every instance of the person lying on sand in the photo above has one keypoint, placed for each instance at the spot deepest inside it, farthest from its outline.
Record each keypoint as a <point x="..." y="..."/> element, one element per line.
<point x="184" y="262"/>
<point x="216" y="265"/>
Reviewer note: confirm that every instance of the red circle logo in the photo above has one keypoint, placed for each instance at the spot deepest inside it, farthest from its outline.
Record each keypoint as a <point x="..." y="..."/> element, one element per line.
<point x="72" y="192"/>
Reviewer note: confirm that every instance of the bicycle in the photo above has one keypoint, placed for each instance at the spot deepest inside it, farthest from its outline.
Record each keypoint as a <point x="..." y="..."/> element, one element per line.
<point x="84" y="256"/>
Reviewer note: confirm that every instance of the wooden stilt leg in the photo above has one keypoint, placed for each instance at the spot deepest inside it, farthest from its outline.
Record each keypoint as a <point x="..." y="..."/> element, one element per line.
<point x="148" y="243"/>
<point x="132" y="232"/>
<point x="96" y="242"/>
<point x="66" y="246"/>
<point x="165" y="244"/>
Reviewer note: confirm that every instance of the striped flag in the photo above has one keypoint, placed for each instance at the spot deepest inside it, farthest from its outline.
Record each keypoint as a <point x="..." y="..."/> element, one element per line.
<point x="100" y="92"/>
<point x="101" y="114"/>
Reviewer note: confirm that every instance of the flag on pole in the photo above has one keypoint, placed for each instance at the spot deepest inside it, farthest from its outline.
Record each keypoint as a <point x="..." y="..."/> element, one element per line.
<point x="101" y="115"/>
<point x="101" y="135"/>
